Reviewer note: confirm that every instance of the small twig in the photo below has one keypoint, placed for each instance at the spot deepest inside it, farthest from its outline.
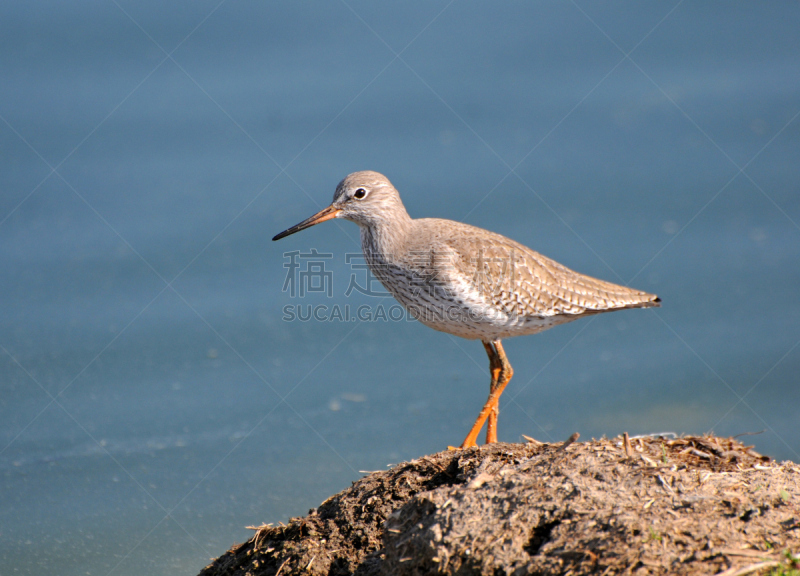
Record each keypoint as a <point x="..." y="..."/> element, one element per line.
<point x="699" y="454"/>
<point x="749" y="569"/>
<point x="259" y="532"/>
<point x="746" y="552"/>
<point x="664" y="484"/>
<point x="626" y="442"/>
<point x="533" y="441"/>
<point x="262" y="527"/>
<point x="569" y="441"/>
<point x="750" y="433"/>
<point x="281" y="567"/>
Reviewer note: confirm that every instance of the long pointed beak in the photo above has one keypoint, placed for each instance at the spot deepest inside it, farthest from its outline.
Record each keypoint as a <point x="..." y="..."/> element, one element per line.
<point x="321" y="216"/>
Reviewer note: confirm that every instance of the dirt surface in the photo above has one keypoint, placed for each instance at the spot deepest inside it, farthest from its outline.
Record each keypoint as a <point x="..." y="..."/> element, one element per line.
<point x="692" y="505"/>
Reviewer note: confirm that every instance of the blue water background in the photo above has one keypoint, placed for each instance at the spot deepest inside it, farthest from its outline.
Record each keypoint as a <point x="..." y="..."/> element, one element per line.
<point x="153" y="402"/>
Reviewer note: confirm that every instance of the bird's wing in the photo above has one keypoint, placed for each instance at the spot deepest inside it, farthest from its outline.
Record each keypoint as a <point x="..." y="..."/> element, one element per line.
<point x="520" y="281"/>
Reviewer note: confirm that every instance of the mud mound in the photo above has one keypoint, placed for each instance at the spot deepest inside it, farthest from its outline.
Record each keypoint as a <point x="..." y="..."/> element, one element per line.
<point x="693" y="505"/>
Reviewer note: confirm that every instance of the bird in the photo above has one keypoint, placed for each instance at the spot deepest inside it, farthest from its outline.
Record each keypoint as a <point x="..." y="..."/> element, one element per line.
<point x="467" y="281"/>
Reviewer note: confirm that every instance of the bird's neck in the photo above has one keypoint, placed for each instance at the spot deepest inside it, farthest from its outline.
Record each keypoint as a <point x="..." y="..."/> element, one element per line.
<point x="386" y="236"/>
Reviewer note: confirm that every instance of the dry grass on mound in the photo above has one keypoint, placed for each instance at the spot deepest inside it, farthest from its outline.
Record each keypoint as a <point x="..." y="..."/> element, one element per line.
<point x="693" y="505"/>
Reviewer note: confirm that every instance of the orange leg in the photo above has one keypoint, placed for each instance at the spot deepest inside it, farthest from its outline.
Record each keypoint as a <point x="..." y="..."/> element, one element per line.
<point x="494" y="369"/>
<point x="499" y="365"/>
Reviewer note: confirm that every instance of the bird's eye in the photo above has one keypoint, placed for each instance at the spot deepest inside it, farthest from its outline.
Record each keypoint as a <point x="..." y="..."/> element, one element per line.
<point x="360" y="193"/>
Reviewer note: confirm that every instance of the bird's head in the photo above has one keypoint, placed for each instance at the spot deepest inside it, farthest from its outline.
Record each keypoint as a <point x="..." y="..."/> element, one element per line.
<point x="366" y="198"/>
